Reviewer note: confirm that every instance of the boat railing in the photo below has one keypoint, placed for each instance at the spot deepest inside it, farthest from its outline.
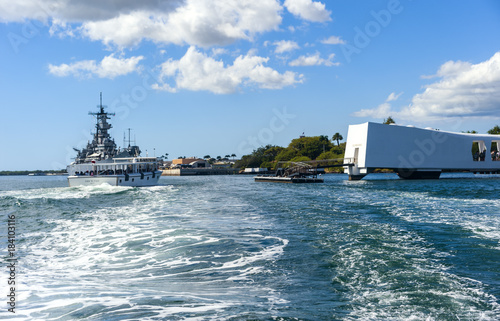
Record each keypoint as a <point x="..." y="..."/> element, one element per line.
<point x="135" y="160"/>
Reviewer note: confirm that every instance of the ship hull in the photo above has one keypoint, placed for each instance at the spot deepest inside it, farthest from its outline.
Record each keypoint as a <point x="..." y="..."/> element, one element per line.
<point x="135" y="180"/>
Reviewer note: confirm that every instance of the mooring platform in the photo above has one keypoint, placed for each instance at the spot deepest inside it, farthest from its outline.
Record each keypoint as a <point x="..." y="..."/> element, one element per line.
<point x="277" y="179"/>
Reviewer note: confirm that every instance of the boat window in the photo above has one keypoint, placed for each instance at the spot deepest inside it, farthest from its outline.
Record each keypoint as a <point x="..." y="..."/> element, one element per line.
<point x="495" y="152"/>
<point x="478" y="151"/>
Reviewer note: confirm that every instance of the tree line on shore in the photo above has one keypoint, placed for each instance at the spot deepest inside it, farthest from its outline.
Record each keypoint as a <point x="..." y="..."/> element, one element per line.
<point x="299" y="150"/>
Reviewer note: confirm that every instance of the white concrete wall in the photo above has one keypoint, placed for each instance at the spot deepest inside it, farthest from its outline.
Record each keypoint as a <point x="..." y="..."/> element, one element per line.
<point x="393" y="146"/>
<point x="357" y="138"/>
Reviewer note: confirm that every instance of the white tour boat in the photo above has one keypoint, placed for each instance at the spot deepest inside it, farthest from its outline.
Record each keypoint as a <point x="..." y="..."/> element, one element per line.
<point x="101" y="162"/>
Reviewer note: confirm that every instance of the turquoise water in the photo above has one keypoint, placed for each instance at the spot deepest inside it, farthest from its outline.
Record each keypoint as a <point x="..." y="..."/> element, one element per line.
<point x="227" y="248"/>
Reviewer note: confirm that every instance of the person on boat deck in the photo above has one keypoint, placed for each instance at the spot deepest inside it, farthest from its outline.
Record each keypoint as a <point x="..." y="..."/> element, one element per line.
<point x="482" y="156"/>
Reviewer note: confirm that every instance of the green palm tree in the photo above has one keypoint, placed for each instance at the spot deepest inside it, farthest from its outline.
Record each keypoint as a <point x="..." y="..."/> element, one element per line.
<point x="494" y="131"/>
<point x="338" y="138"/>
<point x="389" y="121"/>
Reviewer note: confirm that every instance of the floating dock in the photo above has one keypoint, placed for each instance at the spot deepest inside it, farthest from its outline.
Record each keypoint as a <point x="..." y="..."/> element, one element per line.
<point x="297" y="172"/>
<point x="290" y="180"/>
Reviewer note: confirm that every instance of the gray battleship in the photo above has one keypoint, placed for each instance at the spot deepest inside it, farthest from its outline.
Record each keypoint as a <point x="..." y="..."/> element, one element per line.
<point x="101" y="162"/>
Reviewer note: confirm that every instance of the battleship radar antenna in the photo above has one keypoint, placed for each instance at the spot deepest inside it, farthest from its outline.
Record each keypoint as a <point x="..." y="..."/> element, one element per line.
<point x="101" y="109"/>
<point x="129" y="137"/>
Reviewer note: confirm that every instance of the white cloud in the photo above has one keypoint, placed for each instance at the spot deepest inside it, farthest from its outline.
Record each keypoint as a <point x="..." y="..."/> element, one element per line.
<point x="284" y="46"/>
<point x="218" y="51"/>
<point x="128" y="22"/>
<point x="333" y="40"/>
<point x="196" y="71"/>
<point x="308" y="10"/>
<point x="450" y="68"/>
<point x="463" y="90"/>
<point x="77" y="10"/>
<point x="18" y="11"/>
<point x="393" y="96"/>
<point x="314" y="60"/>
<point x="382" y="110"/>
<point x="109" y="67"/>
<point x="198" y="22"/>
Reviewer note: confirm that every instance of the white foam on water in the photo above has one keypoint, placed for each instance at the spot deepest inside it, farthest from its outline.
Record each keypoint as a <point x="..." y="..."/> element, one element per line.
<point x="401" y="272"/>
<point x="268" y="253"/>
<point x="80" y="192"/>
<point x="117" y="258"/>
<point x="65" y="192"/>
<point x="479" y="216"/>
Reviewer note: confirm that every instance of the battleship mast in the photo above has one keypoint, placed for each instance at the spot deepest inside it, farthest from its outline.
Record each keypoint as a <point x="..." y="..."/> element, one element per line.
<point x="102" y="145"/>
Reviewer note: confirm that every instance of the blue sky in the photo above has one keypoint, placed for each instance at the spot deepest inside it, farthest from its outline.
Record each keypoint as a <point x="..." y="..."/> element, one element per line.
<point x="198" y="77"/>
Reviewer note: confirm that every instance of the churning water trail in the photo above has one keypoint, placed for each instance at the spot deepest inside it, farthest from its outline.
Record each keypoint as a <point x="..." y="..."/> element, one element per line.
<point x="227" y="248"/>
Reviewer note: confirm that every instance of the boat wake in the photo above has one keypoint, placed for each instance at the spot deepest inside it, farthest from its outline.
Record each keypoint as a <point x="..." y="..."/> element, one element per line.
<point x="217" y="248"/>
<point x="136" y="253"/>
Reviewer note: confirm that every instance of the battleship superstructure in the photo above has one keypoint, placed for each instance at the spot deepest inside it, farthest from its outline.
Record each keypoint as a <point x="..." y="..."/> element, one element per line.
<point x="101" y="162"/>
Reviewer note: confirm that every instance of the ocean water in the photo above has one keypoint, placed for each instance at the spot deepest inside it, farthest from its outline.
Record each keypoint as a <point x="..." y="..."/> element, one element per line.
<point x="228" y="248"/>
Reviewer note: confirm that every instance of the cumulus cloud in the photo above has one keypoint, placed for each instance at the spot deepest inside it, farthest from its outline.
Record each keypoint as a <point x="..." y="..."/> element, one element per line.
<point x="77" y="10"/>
<point x="450" y="68"/>
<point x="196" y="71"/>
<point x="333" y="40"/>
<point x="125" y="23"/>
<point x="109" y="67"/>
<point x="314" y="60"/>
<point x="393" y="97"/>
<point x="19" y="11"/>
<point x="206" y="24"/>
<point x="308" y="10"/>
<point x="198" y="22"/>
<point x="285" y="45"/>
<point x="463" y="89"/>
<point x="381" y="111"/>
